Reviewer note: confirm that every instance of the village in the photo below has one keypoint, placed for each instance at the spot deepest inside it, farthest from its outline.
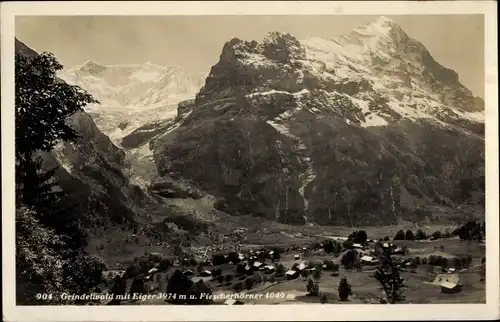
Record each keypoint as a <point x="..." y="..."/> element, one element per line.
<point x="444" y="269"/>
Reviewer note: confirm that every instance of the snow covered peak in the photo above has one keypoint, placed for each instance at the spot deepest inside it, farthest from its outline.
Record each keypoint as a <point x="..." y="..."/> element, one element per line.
<point x="384" y="20"/>
<point x="132" y="95"/>
<point x="380" y="27"/>
<point x="90" y="67"/>
<point x="377" y="67"/>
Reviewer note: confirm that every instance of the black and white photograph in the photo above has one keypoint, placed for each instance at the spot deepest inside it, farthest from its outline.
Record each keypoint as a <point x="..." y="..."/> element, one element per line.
<point x="332" y="157"/>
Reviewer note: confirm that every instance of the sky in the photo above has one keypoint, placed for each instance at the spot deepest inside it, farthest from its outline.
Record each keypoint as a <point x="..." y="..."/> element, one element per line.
<point x="195" y="42"/>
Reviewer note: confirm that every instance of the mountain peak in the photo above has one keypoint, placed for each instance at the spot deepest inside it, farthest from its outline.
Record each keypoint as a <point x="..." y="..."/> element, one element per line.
<point x="382" y="26"/>
<point x="383" y="20"/>
<point x="90" y="66"/>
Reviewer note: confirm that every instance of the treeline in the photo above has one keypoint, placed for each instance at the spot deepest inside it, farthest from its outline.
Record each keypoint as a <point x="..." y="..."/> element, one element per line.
<point x="51" y="254"/>
<point x="472" y="230"/>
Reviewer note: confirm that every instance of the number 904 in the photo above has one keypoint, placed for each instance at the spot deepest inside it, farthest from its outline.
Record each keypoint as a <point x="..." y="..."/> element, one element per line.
<point x="44" y="296"/>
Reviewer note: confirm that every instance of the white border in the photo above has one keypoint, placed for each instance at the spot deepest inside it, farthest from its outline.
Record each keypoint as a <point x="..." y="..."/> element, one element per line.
<point x="264" y="312"/>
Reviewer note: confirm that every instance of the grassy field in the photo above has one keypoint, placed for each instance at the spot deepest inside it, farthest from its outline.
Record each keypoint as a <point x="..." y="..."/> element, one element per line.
<point x="365" y="288"/>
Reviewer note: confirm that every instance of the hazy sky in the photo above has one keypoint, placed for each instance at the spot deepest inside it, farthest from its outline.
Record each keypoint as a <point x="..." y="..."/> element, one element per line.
<point x="195" y="42"/>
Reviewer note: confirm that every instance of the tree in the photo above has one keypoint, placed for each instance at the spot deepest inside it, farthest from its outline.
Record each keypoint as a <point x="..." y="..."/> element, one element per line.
<point x="133" y="270"/>
<point x="240" y="269"/>
<point x="335" y="268"/>
<point x="43" y="103"/>
<point x="358" y="236"/>
<point x="44" y="265"/>
<point x="344" y="289"/>
<point x="400" y="235"/>
<point x="218" y="259"/>
<point x="280" y="270"/>
<point x="220" y="279"/>
<point x="276" y="254"/>
<point x="238" y="287"/>
<point x="178" y="286"/>
<point x="312" y="288"/>
<point x="83" y="272"/>
<point x="413" y="265"/>
<point x="482" y="270"/>
<point x="348" y="259"/>
<point x="417" y="260"/>
<point x="38" y="264"/>
<point x="229" y="278"/>
<point x="249" y="283"/>
<point x="420" y="235"/>
<point x="328" y="246"/>
<point x="436" y="235"/>
<point x="409" y="235"/>
<point x="317" y="275"/>
<point x="119" y="286"/>
<point x="357" y="265"/>
<point x="137" y="286"/>
<point x="233" y="257"/>
<point x="200" y="268"/>
<point x="388" y="274"/>
<point x="347" y="244"/>
<point x="216" y="272"/>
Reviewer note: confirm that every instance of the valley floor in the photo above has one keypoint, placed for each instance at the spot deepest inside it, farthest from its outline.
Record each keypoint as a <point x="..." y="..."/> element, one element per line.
<point x="366" y="290"/>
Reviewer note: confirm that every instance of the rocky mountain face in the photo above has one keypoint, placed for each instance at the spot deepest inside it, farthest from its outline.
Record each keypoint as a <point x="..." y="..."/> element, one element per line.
<point x="122" y="216"/>
<point x="96" y="177"/>
<point x="355" y="130"/>
<point x="95" y="174"/>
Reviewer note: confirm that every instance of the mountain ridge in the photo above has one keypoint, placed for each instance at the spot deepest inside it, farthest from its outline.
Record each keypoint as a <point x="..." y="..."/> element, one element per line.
<point x="131" y="94"/>
<point x="297" y="114"/>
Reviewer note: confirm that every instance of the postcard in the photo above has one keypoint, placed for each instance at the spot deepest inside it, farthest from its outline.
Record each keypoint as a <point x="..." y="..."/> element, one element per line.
<point x="202" y="161"/>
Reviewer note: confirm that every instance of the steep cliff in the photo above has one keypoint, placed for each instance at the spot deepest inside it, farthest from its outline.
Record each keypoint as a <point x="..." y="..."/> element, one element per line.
<point x="331" y="131"/>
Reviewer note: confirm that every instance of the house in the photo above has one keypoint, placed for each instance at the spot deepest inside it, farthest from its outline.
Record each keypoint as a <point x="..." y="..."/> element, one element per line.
<point x="301" y="266"/>
<point x="271" y="253"/>
<point x="387" y="245"/>
<point x="292" y="274"/>
<point x="153" y="270"/>
<point x="196" y="279"/>
<point x="205" y="273"/>
<point x="231" y="301"/>
<point x="113" y="273"/>
<point x="442" y="278"/>
<point x="369" y="260"/>
<point x="188" y="272"/>
<point x="398" y="250"/>
<point x="449" y="287"/>
<point x="452" y="270"/>
<point x="358" y="246"/>
<point x="296" y="256"/>
<point x="258" y="264"/>
<point x="241" y="256"/>
<point x="269" y="268"/>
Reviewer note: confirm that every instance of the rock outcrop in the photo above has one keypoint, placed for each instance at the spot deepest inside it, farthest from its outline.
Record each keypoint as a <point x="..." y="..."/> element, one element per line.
<point x="329" y="131"/>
